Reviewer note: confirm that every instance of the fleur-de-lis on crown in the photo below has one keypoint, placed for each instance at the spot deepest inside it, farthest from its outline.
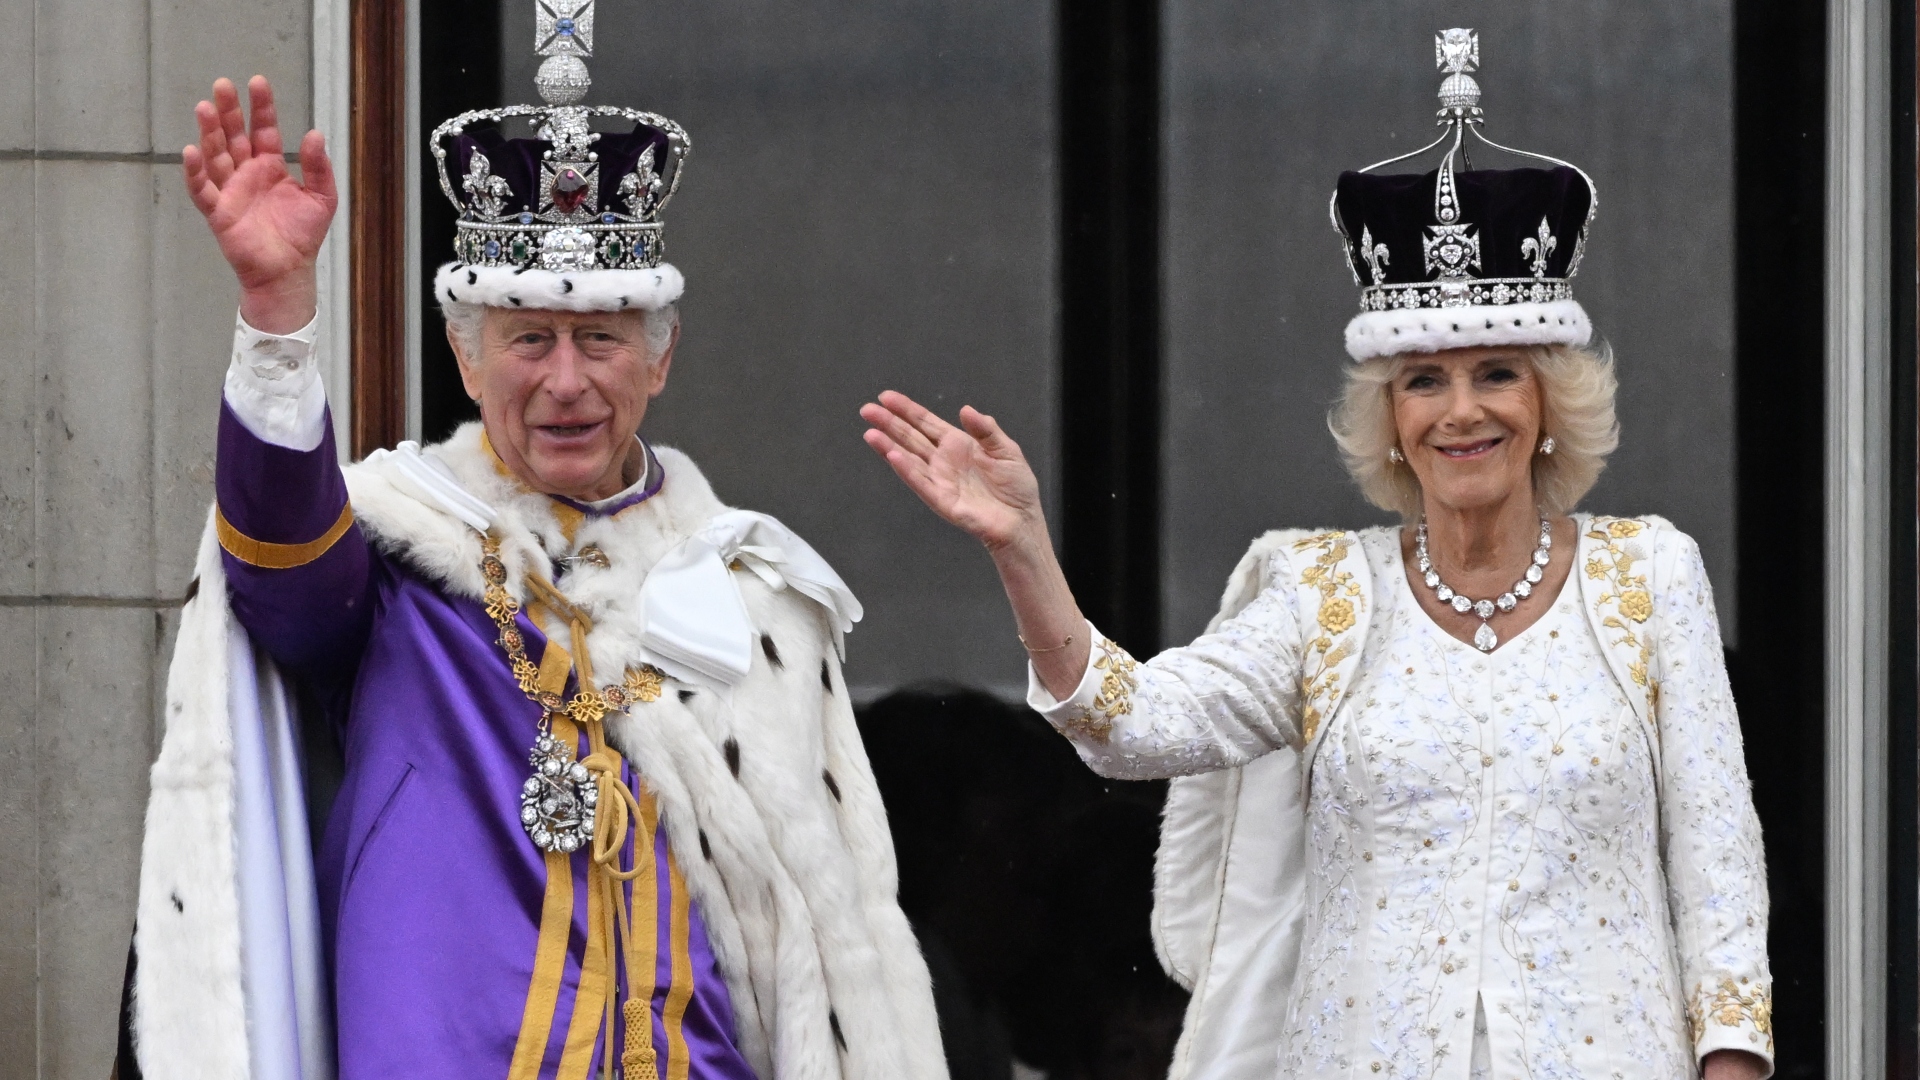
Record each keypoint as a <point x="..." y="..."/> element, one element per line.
<point x="1538" y="247"/>
<point x="487" y="193"/>
<point x="1376" y="255"/>
<point x="641" y="188"/>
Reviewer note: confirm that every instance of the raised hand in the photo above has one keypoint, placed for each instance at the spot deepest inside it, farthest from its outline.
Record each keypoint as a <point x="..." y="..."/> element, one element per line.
<point x="973" y="475"/>
<point x="977" y="478"/>
<point x="268" y="224"/>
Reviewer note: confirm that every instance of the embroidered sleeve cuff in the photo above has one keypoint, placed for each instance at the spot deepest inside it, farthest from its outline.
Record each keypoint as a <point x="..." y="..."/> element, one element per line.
<point x="1044" y="703"/>
<point x="1732" y="1016"/>
<point x="273" y="385"/>
<point x="1105" y="693"/>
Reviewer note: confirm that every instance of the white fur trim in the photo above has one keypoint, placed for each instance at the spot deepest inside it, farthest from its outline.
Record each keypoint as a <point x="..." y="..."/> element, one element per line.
<point x="585" y="290"/>
<point x="189" y="1010"/>
<point x="1425" y="330"/>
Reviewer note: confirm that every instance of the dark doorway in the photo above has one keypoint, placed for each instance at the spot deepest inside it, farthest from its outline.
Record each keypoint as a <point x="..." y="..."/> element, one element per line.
<point x="459" y="70"/>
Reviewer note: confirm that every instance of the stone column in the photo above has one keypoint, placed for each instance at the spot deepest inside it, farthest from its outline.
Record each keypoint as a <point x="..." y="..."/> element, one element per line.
<point x="115" y="318"/>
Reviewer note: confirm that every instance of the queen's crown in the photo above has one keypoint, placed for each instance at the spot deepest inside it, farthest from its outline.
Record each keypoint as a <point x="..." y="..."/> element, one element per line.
<point x="570" y="199"/>
<point x="1457" y="236"/>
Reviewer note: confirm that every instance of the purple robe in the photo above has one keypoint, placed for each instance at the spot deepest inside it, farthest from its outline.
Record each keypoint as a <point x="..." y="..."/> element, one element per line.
<point x="431" y="893"/>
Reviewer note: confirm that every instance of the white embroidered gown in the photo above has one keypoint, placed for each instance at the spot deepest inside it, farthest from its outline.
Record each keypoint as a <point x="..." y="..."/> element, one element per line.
<point x="1484" y="831"/>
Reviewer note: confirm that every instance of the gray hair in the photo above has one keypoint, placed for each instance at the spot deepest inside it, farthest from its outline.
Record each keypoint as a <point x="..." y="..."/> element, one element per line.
<point x="656" y="327"/>
<point x="1577" y="388"/>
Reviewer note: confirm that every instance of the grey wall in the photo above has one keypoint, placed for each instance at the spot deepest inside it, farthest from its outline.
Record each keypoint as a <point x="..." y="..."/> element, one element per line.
<point x="1266" y="104"/>
<point x="116" y="313"/>
<point x="869" y="205"/>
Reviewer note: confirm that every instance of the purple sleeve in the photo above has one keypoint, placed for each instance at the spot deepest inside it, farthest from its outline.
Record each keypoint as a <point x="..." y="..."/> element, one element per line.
<point x="312" y="617"/>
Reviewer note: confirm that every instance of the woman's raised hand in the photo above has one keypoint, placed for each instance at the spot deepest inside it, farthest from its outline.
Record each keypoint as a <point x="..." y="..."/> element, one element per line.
<point x="268" y="224"/>
<point x="977" y="478"/>
<point x="972" y="475"/>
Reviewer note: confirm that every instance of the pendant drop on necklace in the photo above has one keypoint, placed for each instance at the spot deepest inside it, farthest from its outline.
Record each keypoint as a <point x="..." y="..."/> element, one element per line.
<point x="1484" y="638"/>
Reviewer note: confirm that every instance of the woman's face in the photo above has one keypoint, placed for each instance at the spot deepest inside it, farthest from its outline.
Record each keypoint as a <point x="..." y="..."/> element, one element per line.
<point x="1469" y="423"/>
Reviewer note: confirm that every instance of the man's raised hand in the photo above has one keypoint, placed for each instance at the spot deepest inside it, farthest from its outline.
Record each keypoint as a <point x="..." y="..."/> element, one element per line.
<point x="268" y="224"/>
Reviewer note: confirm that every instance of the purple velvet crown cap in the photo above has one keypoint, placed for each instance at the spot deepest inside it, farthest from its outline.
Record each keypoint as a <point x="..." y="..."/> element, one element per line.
<point x="1504" y="207"/>
<point x="518" y="161"/>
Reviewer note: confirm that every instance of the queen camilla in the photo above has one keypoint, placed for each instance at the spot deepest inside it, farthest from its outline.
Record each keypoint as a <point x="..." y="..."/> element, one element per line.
<point x="1460" y="798"/>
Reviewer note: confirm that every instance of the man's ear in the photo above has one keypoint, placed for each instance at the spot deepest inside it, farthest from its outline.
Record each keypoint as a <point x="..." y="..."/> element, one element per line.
<point x="469" y="366"/>
<point x="664" y="364"/>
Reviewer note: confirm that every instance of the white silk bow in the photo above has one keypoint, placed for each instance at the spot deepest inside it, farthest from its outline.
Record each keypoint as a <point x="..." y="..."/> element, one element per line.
<point x="695" y="623"/>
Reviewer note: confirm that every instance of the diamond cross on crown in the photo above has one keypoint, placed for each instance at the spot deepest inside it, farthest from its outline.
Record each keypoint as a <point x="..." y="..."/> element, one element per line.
<point x="563" y="26"/>
<point x="1456" y="51"/>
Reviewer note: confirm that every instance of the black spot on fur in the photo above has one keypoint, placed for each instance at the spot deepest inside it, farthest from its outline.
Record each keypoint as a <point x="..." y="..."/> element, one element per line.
<point x="473" y="277"/>
<point x="566" y="284"/>
<point x="177" y="904"/>
<point x="519" y="269"/>
<point x="826" y="677"/>
<point x="833" y="1021"/>
<point x="732" y="750"/>
<point x="514" y="300"/>
<point x="773" y="654"/>
<point x="193" y="590"/>
<point x="833" y="787"/>
<point x="451" y="297"/>
<point x="686" y="696"/>
<point x="706" y="849"/>
<point x="624" y="301"/>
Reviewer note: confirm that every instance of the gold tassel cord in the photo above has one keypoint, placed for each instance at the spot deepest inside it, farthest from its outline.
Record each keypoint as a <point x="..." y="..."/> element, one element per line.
<point x="621" y="814"/>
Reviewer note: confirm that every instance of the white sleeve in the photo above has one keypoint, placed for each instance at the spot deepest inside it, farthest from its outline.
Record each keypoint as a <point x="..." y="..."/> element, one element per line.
<point x="1228" y="698"/>
<point x="273" y="385"/>
<point x="1715" y="862"/>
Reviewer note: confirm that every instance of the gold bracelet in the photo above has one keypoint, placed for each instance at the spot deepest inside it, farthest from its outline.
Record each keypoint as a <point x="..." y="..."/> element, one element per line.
<point x="1036" y="652"/>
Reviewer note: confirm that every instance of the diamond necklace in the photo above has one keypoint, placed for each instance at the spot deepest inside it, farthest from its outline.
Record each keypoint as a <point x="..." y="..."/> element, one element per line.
<point x="1484" y="638"/>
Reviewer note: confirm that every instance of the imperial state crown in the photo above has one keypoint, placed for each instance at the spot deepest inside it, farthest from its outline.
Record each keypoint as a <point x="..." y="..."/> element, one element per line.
<point x="571" y="217"/>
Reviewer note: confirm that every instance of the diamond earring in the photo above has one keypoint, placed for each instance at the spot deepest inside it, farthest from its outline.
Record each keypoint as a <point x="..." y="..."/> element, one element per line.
<point x="1546" y="446"/>
<point x="1394" y="455"/>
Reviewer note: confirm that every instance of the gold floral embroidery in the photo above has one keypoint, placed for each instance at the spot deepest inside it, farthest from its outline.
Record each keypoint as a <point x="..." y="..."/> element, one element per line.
<point x="1636" y="604"/>
<point x="1614" y="563"/>
<point x="1727" y="1006"/>
<point x="1338" y="613"/>
<point x="1115" y="698"/>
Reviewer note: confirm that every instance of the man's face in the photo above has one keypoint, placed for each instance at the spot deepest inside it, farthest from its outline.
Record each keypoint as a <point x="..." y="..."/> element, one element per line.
<point x="562" y="394"/>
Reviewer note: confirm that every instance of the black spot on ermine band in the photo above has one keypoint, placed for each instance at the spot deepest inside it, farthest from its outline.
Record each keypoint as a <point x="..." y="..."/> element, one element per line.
<point x="773" y="654"/>
<point x="686" y="696"/>
<point x="833" y="1021"/>
<point x="833" y="788"/>
<point x="732" y="750"/>
<point x="706" y="849"/>
<point x="826" y="677"/>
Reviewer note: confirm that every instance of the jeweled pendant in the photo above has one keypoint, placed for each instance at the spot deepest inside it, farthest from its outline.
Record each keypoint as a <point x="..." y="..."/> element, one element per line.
<point x="557" y="801"/>
<point x="1484" y="638"/>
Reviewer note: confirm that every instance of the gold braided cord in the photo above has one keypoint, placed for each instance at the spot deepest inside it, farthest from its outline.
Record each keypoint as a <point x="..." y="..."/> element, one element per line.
<point x="610" y="924"/>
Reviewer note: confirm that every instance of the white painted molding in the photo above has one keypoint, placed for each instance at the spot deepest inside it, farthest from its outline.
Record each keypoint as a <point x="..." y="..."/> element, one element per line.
<point x="332" y="114"/>
<point x="1858" y="370"/>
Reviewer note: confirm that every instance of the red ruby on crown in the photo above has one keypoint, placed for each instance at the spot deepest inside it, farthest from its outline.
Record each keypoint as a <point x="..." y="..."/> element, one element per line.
<point x="569" y="190"/>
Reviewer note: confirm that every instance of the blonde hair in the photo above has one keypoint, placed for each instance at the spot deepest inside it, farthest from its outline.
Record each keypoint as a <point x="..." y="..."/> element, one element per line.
<point x="1577" y="388"/>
